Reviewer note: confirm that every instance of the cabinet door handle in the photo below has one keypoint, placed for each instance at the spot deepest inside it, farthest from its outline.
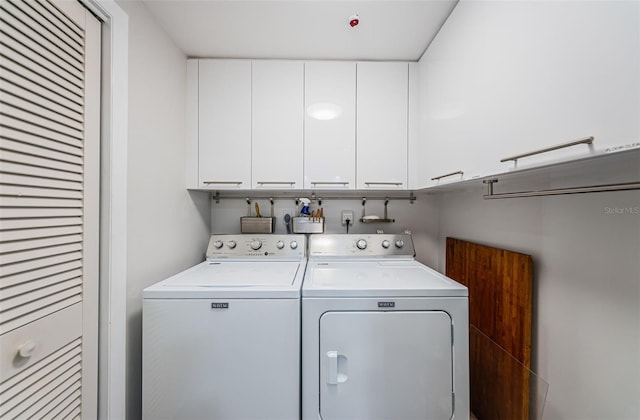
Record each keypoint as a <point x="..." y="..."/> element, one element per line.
<point x="222" y="182"/>
<point x="397" y="184"/>
<point x="276" y="182"/>
<point x="435" y="178"/>
<point x="329" y="182"/>
<point x="586" y="140"/>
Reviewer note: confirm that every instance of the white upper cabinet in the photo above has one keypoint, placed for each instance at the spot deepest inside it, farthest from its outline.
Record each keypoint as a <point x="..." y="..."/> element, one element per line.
<point x="330" y="125"/>
<point x="286" y="124"/>
<point x="382" y="106"/>
<point x="224" y="123"/>
<point x="494" y="85"/>
<point x="277" y="124"/>
<point x="413" y="143"/>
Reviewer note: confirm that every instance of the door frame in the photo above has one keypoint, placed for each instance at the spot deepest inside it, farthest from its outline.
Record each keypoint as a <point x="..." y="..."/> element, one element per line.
<point x="112" y="388"/>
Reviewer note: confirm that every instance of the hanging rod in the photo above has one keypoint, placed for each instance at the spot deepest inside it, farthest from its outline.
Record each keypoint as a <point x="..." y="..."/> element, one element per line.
<point x="559" y="191"/>
<point x="586" y="140"/>
<point x="314" y="196"/>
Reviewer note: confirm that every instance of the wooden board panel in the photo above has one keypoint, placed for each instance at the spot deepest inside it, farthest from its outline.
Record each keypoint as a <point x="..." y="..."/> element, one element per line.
<point x="500" y="296"/>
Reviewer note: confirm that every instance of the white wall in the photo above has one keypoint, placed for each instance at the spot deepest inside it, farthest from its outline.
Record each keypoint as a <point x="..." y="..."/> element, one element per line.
<point x="168" y="226"/>
<point x="586" y="306"/>
<point x="419" y="217"/>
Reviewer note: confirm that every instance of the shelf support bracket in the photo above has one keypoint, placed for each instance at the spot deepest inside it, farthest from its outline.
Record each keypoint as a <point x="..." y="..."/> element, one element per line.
<point x="489" y="183"/>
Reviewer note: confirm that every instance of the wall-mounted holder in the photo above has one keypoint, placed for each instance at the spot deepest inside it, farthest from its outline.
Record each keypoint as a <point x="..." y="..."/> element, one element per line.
<point x="375" y="219"/>
<point x="308" y="224"/>
<point x="252" y="224"/>
<point x="257" y="223"/>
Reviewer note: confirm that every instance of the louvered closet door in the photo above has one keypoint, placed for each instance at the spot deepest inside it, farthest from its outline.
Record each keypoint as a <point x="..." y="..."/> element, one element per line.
<point x="49" y="186"/>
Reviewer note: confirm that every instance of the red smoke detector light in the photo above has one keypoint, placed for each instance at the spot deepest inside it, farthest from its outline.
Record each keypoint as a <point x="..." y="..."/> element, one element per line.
<point x="354" y="20"/>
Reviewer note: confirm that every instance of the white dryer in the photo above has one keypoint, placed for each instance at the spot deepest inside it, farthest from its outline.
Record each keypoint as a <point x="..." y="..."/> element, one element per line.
<point x="221" y="340"/>
<point x="383" y="336"/>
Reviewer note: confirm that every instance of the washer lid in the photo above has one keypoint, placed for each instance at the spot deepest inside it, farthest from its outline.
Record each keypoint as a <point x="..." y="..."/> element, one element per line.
<point x="377" y="278"/>
<point x="233" y="279"/>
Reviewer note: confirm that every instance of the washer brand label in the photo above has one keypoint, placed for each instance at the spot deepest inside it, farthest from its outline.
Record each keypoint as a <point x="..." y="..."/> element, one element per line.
<point x="220" y="305"/>
<point x="386" y="304"/>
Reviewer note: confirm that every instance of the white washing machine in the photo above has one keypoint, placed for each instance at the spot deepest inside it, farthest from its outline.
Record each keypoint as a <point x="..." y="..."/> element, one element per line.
<point x="221" y="340"/>
<point x="383" y="336"/>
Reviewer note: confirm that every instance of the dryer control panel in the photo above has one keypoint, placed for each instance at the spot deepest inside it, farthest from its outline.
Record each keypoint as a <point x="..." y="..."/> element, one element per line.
<point x="257" y="246"/>
<point x="363" y="246"/>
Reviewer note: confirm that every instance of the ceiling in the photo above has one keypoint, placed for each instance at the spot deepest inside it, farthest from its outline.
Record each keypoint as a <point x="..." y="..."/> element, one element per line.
<point x="302" y="29"/>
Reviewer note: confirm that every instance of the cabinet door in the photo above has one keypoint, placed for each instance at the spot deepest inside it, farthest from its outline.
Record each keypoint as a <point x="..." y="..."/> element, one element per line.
<point x="493" y="86"/>
<point x="330" y="125"/>
<point x="277" y="107"/>
<point x="386" y="365"/>
<point x="224" y="124"/>
<point x="382" y="106"/>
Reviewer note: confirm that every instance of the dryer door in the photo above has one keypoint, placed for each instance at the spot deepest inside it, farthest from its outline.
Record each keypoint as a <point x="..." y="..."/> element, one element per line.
<point x="386" y="365"/>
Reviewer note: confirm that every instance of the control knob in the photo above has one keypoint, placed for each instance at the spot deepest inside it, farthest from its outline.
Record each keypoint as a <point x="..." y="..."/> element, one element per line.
<point x="399" y="243"/>
<point x="385" y="244"/>
<point x="293" y="244"/>
<point x="218" y="244"/>
<point x="280" y="244"/>
<point x="231" y="244"/>
<point x="256" y="245"/>
<point x="361" y="244"/>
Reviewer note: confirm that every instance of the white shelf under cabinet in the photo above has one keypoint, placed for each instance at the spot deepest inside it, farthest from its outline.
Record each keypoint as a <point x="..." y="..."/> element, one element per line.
<point x="621" y="167"/>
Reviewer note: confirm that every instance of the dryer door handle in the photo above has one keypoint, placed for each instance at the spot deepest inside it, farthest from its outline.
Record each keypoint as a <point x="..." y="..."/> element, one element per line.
<point x="336" y="368"/>
<point x="332" y="367"/>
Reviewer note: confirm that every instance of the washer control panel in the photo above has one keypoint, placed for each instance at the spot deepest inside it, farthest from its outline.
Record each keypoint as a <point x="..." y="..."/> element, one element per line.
<point x="256" y="246"/>
<point x="358" y="245"/>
